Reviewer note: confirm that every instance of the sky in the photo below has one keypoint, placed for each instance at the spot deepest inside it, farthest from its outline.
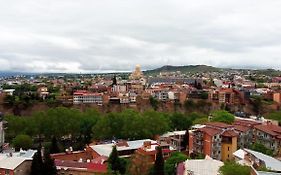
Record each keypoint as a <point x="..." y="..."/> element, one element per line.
<point x="115" y="35"/>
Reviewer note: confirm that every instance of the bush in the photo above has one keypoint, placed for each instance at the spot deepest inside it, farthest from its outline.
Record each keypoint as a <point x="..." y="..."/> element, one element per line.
<point x="22" y="141"/>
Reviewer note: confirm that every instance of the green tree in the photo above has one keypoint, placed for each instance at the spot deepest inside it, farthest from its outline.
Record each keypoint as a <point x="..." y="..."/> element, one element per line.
<point x="232" y="168"/>
<point x="259" y="147"/>
<point x="49" y="165"/>
<point x="116" y="164"/>
<point x="22" y="141"/>
<point x="172" y="162"/>
<point x="37" y="166"/>
<point x="223" y="116"/>
<point x="158" y="168"/>
<point x="154" y="103"/>
<point x="257" y="104"/>
<point x="185" y="140"/>
<point x="275" y="116"/>
<point x="180" y="121"/>
<point x="54" y="148"/>
<point x="189" y="105"/>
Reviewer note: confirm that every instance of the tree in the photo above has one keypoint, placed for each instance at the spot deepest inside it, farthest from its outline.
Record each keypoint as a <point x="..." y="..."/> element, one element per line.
<point x="180" y="121"/>
<point x="158" y="168"/>
<point x="173" y="161"/>
<point x="185" y="140"/>
<point x="22" y="141"/>
<point x="116" y="164"/>
<point x="232" y="168"/>
<point x="49" y="165"/>
<point x="223" y="116"/>
<point x="189" y="105"/>
<point x="54" y="148"/>
<point x="259" y="147"/>
<point x="37" y="166"/>
<point x="257" y="104"/>
<point x="154" y="103"/>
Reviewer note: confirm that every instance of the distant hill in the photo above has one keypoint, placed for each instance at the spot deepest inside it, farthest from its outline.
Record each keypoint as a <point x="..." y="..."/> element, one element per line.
<point x="184" y="69"/>
<point x="205" y="68"/>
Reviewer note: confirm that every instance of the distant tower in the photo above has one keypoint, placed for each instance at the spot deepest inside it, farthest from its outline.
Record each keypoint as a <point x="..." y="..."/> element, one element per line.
<point x="114" y="80"/>
<point x="137" y="74"/>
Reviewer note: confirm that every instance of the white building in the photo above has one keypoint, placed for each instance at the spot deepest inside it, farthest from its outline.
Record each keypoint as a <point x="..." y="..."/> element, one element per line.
<point x="84" y="97"/>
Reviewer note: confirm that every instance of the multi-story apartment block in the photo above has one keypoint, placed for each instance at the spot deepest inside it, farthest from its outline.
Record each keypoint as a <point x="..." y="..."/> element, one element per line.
<point x="217" y="140"/>
<point x="174" y="139"/>
<point x="270" y="136"/>
<point x="84" y="97"/>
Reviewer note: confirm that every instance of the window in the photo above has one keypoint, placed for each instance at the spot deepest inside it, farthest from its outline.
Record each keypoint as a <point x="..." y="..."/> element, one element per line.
<point x="7" y="172"/>
<point x="228" y="148"/>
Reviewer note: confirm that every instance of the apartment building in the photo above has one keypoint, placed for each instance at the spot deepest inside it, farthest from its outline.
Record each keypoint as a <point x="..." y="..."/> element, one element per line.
<point x="217" y="140"/>
<point x="85" y="97"/>
<point x="270" y="136"/>
<point x="174" y="139"/>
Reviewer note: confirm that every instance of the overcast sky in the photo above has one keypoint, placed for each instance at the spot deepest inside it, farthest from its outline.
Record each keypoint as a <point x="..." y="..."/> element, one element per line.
<point x="106" y="35"/>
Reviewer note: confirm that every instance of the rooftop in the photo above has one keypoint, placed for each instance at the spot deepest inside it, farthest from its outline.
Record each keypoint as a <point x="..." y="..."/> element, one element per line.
<point x="270" y="162"/>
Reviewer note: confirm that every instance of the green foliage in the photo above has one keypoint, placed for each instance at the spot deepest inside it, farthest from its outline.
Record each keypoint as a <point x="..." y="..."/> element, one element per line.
<point x="54" y="147"/>
<point x="22" y="141"/>
<point x="37" y="166"/>
<point x="131" y="124"/>
<point x="172" y="162"/>
<point x="275" y="116"/>
<point x="259" y="147"/>
<point x="257" y="104"/>
<point x="154" y="103"/>
<point x="223" y="116"/>
<point x="158" y="168"/>
<point x="189" y="105"/>
<point x="185" y="140"/>
<point x="46" y="167"/>
<point x="232" y="168"/>
<point x="49" y="165"/>
<point x="180" y="121"/>
<point x="204" y="95"/>
<point x="82" y="127"/>
<point x="116" y="164"/>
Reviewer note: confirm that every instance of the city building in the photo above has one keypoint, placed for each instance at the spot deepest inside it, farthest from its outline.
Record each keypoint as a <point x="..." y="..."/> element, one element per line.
<point x="257" y="160"/>
<point x="16" y="163"/>
<point x="207" y="166"/>
<point x="85" y="97"/>
<point x="174" y="139"/>
<point x="270" y="136"/>
<point x="217" y="140"/>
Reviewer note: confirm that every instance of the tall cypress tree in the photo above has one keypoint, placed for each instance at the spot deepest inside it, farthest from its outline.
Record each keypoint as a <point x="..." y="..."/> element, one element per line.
<point x="49" y="165"/>
<point x="37" y="165"/>
<point x="54" y="148"/>
<point x="185" y="140"/>
<point x="116" y="164"/>
<point x="113" y="160"/>
<point x="158" y="168"/>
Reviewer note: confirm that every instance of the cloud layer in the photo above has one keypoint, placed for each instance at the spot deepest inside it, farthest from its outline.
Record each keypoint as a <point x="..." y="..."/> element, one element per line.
<point x="115" y="35"/>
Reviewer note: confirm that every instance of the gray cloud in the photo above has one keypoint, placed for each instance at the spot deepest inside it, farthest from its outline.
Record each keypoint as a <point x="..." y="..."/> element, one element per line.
<point x="94" y="35"/>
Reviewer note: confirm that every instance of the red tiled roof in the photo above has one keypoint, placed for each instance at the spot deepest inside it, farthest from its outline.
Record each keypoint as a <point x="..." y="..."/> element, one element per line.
<point x="219" y="124"/>
<point x="100" y="159"/>
<point x="70" y="164"/>
<point x="229" y="133"/>
<point x="98" y="168"/>
<point x="241" y="128"/>
<point x="270" y="129"/>
<point x="89" y="166"/>
<point x="210" y="131"/>
<point x="246" y="122"/>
